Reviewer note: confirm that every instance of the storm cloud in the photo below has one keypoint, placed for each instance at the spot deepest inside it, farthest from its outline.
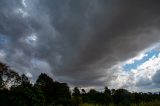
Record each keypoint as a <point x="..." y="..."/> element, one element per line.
<point x="77" y="42"/>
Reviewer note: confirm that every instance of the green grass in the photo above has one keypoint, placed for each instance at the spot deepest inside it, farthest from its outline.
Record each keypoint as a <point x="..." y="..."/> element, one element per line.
<point x="85" y="104"/>
<point x="154" y="103"/>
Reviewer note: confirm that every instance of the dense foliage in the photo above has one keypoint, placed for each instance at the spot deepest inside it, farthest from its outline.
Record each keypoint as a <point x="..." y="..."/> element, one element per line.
<point x="16" y="90"/>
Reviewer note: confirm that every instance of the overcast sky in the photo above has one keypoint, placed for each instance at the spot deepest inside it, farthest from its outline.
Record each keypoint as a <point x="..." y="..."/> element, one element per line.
<point x="86" y="43"/>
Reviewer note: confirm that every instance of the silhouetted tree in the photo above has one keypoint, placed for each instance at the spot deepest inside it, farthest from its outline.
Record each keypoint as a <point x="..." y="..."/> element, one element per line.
<point x="8" y="77"/>
<point x="76" y="99"/>
<point x="17" y="90"/>
<point x="76" y="92"/>
<point x="136" y="98"/>
<point x="83" y="91"/>
<point x="92" y="96"/>
<point x="107" y="94"/>
<point x="84" y="96"/>
<point x="26" y="95"/>
<point x="122" y="96"/>
<point x="62" y="94"/>
<point x="55" y="92"/>
<point x="45" y="83"/>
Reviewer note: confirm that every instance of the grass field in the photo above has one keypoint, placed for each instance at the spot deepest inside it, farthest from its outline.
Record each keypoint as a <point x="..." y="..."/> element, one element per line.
<point x="155" y="103"/>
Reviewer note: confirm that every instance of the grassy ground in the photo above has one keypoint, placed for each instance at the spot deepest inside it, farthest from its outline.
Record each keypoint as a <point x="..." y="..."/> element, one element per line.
<point x="155" y="103"/>
<point x="85" y="104"/>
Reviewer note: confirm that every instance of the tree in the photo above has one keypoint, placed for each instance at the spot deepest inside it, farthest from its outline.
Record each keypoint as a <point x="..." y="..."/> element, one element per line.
<point x="136" y="98"/>
<point x="84" y="96"/>
<point x="3" y="70"/>
<point x="107" y="96"/>
<point x="55" y="92"/>
<point x="45" y="83"/>
<point x="8" y="77"/>
<point x="5" y="97"/>
<point x="76" y="92"/>
<point x="24" y="79"/>
<point x="92" y="96"/>
<point x="62" y="94"/>
<point x="83" y="91"/>
<point x="76" y="99"/>
<point x="107" y="91"/>
<point x="26" y="95"/>
<point x="122" y="96"/>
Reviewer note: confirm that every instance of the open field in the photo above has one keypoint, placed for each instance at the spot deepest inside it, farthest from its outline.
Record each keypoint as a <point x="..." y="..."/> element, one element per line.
<point x="155" y="103"/>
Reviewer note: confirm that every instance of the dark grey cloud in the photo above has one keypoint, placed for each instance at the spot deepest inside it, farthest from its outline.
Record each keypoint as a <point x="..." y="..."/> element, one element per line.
<point x="156" y="78"/>
<point x="143" y="82"/>
<point x="75" y="40"/>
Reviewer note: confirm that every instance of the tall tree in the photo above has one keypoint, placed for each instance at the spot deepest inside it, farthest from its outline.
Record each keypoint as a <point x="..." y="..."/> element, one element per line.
<point x="122" y="96"/>
<point x="45" y="83"/>
<point x="76" y="99"/>
<point x="8" y="77"/>
<point x="107" y="96"/>
<point x="76" y="92"/>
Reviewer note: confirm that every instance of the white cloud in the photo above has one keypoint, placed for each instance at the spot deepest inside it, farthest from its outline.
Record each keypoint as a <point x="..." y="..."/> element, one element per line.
<point x="142" y="54"/>
<point x="139" y="57"/>
<point x="24" y="3"/>
<point x="28" y="74"/>
<point x="136" y="79"/>
<point x="2" y="55"/>
<point x="22" y="12"/>
<point x="30" y="40"/>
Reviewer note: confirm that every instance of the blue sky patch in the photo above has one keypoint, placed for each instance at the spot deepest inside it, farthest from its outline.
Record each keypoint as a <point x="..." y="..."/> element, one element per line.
<point x="3" y="39"/>
<point x="136" y="63"/>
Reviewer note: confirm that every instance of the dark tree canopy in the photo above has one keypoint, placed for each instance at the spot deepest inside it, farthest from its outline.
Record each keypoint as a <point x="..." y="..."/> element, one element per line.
<point x="17" y="90"/>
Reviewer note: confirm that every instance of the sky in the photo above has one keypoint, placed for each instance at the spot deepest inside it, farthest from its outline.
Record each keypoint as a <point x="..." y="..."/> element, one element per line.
<point x="85" y="43"/>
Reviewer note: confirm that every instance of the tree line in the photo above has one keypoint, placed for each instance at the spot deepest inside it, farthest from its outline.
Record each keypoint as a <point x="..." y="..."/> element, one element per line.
<point x="17" y="90"/>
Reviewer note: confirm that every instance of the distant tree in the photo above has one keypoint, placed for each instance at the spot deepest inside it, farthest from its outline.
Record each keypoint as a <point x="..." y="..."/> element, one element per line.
<point x="83" y="91"/>
<point x="84" y="96"/>
<point x="55" y="92"/>
<point x="45" y="83"/>
<point x="24" y="79"/>
<point x="113" y="91"/>
<point x="62" y="94"/>
<point x="17" y="90"/>
<point x="76" y="99"/>
<point x="100" y="99"/>
<point x="107" y="96"/>
<point x="136" y="98"/>
<point x="13" y="78"/>
<point x="107" y="91"/>
<point x="3" y="70"/>
<point x="76" y="92"/>
<point x="8" y="77"/>
<point x="92" y="96"/>
<point x="122" y="96"/>
<point x="26" y="95"/>
<point x="5" y="97"/>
